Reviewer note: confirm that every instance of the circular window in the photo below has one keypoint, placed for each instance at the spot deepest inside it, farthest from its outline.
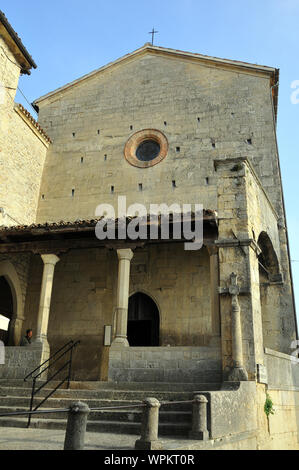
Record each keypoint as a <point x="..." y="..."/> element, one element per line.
<point x="146" y="148"/>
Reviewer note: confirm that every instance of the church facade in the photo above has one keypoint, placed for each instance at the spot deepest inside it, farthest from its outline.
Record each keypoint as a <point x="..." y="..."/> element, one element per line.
<point x="170" y="128"/>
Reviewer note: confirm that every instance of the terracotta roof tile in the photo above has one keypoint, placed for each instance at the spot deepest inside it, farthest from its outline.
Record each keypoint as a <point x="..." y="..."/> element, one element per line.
<point x="34" y="122"/>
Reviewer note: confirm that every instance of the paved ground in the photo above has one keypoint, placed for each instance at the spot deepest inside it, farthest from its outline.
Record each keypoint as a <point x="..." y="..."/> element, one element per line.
<point x="52" y="439"/>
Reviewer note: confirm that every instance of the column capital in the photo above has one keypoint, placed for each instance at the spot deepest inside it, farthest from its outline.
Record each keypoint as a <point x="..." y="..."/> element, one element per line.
<point x="125" y="253"/>
<point x="50" y="259"/>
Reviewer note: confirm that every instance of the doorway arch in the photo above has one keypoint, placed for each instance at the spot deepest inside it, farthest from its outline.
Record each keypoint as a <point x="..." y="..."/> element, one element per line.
<point x="143" y="321"/>
<point x="6" y="309"/>
<point x="11" y="279"/>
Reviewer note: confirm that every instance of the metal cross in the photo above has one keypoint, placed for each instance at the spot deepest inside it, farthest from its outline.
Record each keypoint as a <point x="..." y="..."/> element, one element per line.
<point x="153" y="32"/>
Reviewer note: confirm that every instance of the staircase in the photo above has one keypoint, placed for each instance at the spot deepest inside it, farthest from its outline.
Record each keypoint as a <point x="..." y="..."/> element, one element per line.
<point x="174" y="420"/>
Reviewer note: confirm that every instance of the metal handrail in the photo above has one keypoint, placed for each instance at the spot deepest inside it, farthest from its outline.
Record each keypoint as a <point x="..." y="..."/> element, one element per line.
<point x="50" y="358"/>
<point x="70" y="346"/>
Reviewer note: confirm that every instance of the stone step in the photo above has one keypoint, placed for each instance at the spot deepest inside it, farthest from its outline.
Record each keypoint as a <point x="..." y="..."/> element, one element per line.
<point x="133" y="415"/>
<point x="99" y="394"/>
<point x="97" y="385"/>
<point x="92" y="403"/>
<point x="118" y="427"/>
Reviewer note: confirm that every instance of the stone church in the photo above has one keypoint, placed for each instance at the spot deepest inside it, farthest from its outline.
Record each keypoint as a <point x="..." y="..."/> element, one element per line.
<point x="158" y="126"/>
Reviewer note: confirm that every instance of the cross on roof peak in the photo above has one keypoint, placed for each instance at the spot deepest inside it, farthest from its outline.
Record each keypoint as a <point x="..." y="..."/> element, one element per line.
<point x="153" y="32"/>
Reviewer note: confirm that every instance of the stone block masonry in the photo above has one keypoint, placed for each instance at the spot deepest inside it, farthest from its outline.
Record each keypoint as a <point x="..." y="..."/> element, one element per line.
<point x="165" y="364"/>
<point x="19" y="361"/>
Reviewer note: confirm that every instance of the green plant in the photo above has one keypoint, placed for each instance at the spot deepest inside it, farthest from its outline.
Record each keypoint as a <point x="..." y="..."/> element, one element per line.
<point x="268" y="407"/>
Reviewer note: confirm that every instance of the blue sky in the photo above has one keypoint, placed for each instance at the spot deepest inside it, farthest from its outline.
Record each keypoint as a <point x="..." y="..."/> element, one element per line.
<point x="69" y="38"/>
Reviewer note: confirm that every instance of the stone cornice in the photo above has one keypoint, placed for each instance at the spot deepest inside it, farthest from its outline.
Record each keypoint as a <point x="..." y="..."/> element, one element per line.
<point x="33" y="124"/>
<point x="233" y="242"/>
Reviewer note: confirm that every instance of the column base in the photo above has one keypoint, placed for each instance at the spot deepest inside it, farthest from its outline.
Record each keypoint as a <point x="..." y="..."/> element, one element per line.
<point x="237" y="374"/>
<point x="199" y="435"/>
<point x="148" y="445"/>
<point x="119" y="342"/>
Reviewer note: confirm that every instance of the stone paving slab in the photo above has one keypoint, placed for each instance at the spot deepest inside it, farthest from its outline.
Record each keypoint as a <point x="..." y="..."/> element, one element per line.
<point x="45" y="439"/>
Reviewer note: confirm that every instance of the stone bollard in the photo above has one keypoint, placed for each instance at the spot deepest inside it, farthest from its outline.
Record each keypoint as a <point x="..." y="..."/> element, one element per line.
<point x="149" y="427"/>
<point x="76" y="426"/>
<point x="199" y="419"/>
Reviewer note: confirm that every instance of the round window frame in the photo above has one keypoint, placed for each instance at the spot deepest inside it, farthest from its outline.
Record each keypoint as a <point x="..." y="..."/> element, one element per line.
<point x="136" y="139"/>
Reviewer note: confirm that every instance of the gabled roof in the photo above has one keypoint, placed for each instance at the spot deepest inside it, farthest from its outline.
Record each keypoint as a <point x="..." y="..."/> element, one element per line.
<point x="272" y="72"/>
<point x="15" y="44"/>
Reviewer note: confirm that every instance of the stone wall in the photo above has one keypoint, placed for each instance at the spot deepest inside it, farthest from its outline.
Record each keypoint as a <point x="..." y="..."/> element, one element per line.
<point x="166" y="364"/>
<point x="23" y="151"/>
<point x="231" y="410"/>
<point x="281" y="430"/>
<point x="244" y="212"/>
<point x="19" y="361"/>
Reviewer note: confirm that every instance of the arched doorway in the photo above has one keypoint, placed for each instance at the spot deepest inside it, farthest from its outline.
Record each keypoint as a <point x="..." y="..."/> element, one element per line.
<point x="143" y="321"/>
<point x="6" y="309"/>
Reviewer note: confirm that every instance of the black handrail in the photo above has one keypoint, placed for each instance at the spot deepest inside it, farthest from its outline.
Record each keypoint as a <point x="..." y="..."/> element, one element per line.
<point x="50" y="358"/>
<point x="70" y="346"/>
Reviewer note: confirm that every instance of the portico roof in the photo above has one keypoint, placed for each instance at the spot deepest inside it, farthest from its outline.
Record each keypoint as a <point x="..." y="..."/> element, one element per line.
<point x="65" y="235"/>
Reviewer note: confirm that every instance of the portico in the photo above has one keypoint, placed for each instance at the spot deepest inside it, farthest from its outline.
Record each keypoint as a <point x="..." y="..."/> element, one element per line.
<point x="78" y="285"/>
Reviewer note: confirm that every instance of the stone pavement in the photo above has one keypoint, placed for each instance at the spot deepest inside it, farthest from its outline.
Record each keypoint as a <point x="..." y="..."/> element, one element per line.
<point x="53" y="439"/>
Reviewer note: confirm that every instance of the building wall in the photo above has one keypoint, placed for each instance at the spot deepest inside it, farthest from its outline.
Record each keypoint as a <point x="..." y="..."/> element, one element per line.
<point x="84" y="296"/>
<point x="22" y="152"/>
<point x="154" y="91"/>
<point x="280" y="431"/>
<point x="210" y="113"/>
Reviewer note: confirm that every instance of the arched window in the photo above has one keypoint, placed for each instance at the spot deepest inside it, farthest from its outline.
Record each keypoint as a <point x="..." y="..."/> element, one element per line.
<point x="268" y="262"/>
<point x="143" y="321"/>
<point x="269" y="293"/>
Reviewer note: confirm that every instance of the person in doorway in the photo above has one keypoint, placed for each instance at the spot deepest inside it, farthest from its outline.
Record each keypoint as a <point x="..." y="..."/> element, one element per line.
<point x="26" y="340"/>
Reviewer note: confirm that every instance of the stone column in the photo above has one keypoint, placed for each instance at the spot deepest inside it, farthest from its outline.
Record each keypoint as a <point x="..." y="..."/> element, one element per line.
<point x="199" y="418"/>
<point x="44" y="303"/>
<point x="123" y="282"/>
<point x="238" y="371"/>
<point x="214" y="283"/>
<point x="76" y="426"/>
<point x="149" y="426"/>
